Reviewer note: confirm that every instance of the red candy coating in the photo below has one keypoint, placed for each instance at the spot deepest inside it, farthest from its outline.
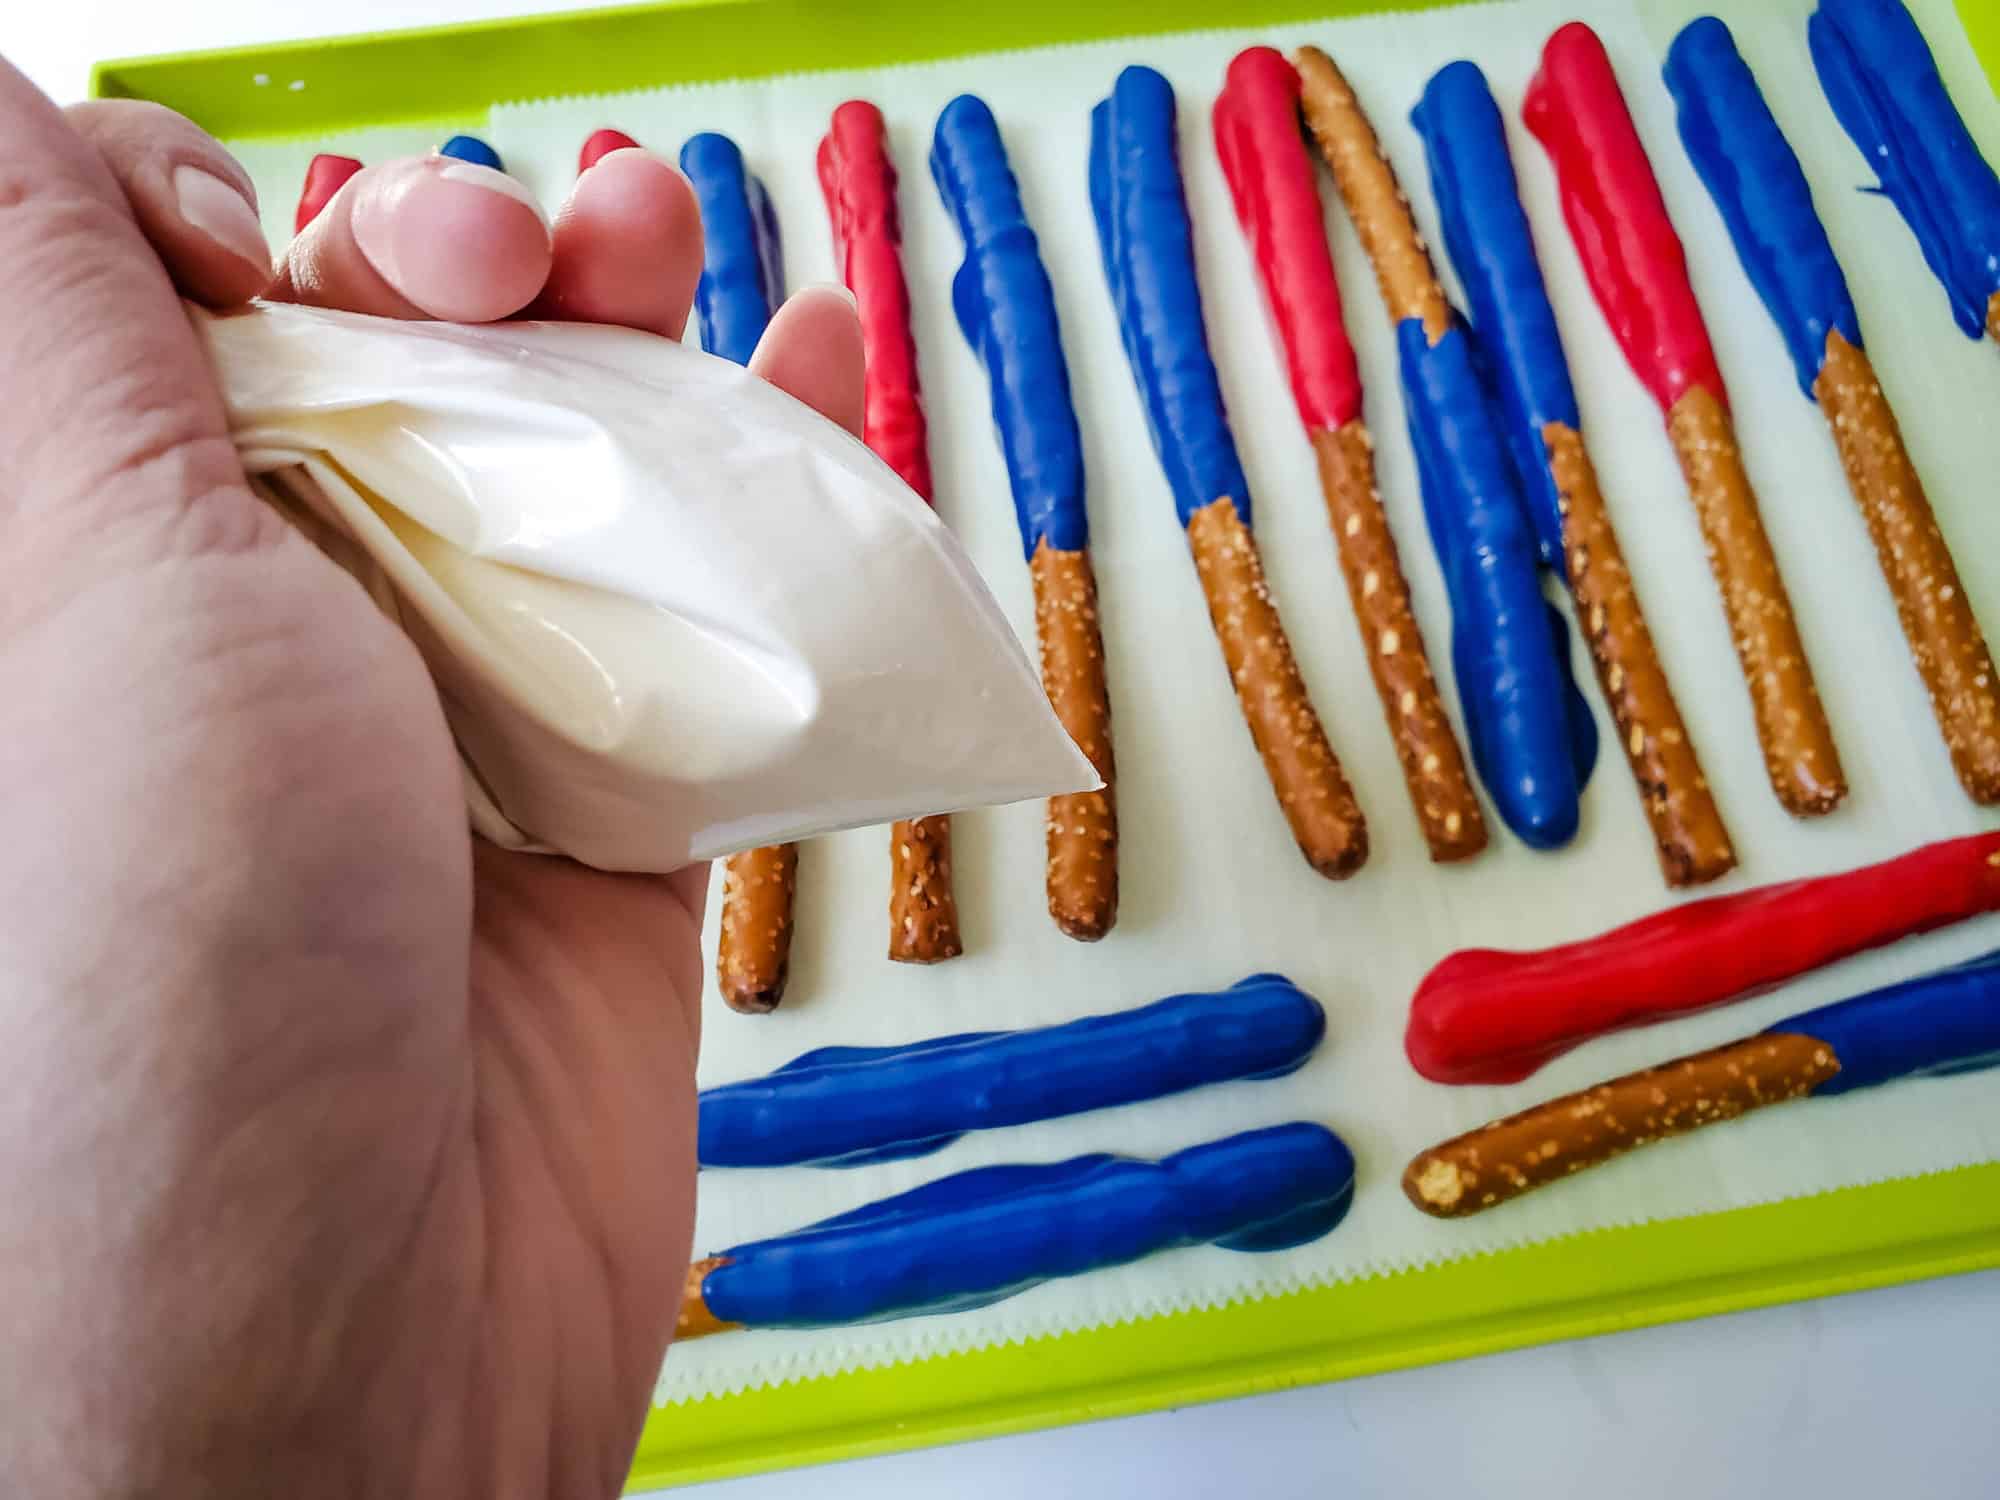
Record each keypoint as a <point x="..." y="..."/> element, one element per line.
<point x="324" y="177"/>
<point x="859" y="181"/>
<point x="1276" y="191"/>
<point x="601" y="143"/>
<point x="1612" y="204"/>
<point x="1483" y="1016"/>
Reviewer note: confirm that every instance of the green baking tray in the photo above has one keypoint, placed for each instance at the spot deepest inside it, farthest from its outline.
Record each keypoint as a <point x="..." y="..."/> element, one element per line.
<point x="1585" y="1284"/>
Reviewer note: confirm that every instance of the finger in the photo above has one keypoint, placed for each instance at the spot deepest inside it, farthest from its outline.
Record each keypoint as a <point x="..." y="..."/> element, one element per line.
<point x="194" y="204"/>
<point x="627" y="247"/>
<point x="422" y="237"/>
<point x="115" y="433"/>
<point x="812" y="350"/>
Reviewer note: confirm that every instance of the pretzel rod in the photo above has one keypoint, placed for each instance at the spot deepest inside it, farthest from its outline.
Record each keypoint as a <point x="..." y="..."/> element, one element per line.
<point x="1482" y="1016"/>
<point x="1271" y="182"/>
<point x="1006" y="309"/>
<point x="1304" y="772"/>
<point x="859" y="183"/>
<point x="472" y="149"/>
<point x="739" y="290"/>
<point x="325" y="176"/>
<point x="1434" y="770"/>
<point x="1638" y="271"/>
<point x="1688" y="832"/>
<point x="980" y="1236"/>
<point x="743" y="269"/>
<point x="1082" y="826"/>
<point x="753" y="952"/>
<point x="1800" y="758"/>
<point x="1945" y="639"/>
<point x="1751" y="173"/>
<point x="1488" y="1166"/>
<point x="1947" y="1021"/>
<point x="1140" y="209"/>
<point x="1487" y="234"/>
<point x="1879" y="76"/>
<point x="1533" y="738"/>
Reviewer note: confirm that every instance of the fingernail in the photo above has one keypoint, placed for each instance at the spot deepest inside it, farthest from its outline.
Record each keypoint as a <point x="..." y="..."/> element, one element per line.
<point x="633" y="152"/>
<point x="837" y="289"/>
<point x="493" y="181"/>
<point x="219" y="211"/>
<point x="428" y="229"/>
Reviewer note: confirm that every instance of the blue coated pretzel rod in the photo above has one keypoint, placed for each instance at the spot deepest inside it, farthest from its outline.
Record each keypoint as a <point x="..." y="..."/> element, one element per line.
<point x="1140" y="208"/>
<point x="1879" y="76"/>
<point x="471" y="148"/>
<point x="1513" y="328"/>
<point x="1533" y="737"/>
<point x="1006" y="309"/>
<point x="742" y="283"/>
<point x="1750" y="171"/>
<point x="742" y="262"/>
<point x="1944" y="1022"/>
<point x="982" y="1236"/>
<point x="848" y="1106"/>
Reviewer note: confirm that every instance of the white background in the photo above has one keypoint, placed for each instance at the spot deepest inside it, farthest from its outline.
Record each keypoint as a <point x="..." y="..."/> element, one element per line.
<point x="1857" y="1396"/>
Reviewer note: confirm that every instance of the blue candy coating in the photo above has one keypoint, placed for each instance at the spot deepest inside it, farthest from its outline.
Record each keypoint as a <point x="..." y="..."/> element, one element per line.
<point x="471" y="148"/>
<point x="1882" y="82"/>
<point x="843" y="1106"/>
<point x="1532" y="734"/>
<point x="742" y="269"/>
<point x="982" y="1236"/>
<point x="1947" y="1021"/>
<point x="1755" y="179"/>
<point x="1007" y="311"/>
<point x="1487" y="235"/>
<point x="1148" y="247"/>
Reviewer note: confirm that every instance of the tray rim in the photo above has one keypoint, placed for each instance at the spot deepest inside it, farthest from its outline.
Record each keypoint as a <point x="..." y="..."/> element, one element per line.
<point x="1602" y="1281"/>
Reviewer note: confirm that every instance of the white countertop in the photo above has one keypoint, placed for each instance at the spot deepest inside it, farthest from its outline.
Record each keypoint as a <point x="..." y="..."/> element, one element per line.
<point x="1893" y="1393"/>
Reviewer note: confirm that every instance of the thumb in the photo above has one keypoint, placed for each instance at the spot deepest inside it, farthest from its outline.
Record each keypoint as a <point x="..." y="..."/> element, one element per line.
<point x="192" y="201"/>
<point x="112" y="434"/>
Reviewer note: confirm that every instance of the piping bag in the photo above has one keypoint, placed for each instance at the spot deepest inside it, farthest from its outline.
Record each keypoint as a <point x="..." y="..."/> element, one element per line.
<point x="671" y="612"/>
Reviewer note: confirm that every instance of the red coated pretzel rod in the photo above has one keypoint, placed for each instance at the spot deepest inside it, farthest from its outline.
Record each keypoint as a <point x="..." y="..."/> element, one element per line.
<point x="1272" y="182"/>
<point x="1483" y="1016"/>
<point x="859" y="182"/>
<point x="325" y="176"/>
<point x="1638" y="271"/>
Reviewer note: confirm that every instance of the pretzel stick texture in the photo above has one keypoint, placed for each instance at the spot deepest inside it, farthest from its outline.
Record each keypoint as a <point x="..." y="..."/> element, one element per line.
<point x="1750" y="171"/>
<point x="733" y="303"/>
<point x="1147" y="244"/>
<point x="1487" y="234"/>
<point x="1271" y="181"/>
<point x="859" y="183"/>
<point x="1006" y="310"/>
<point x="1533" y="738"/>
<point x="1083" y="826"/>
<point x="1638" y="272"/>
<point x="1486" y="1167"/>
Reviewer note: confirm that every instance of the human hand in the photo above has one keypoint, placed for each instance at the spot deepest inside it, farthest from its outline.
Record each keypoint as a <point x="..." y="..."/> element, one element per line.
<point x="339" y="1154"/>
